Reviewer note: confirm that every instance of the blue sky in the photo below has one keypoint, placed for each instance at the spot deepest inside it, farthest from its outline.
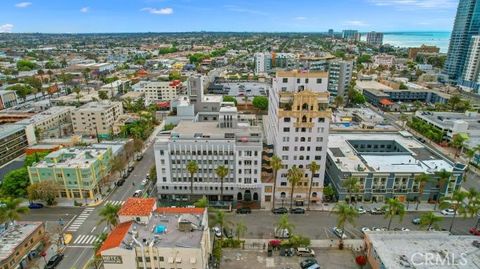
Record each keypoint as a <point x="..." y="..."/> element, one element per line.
<point x="86" y="16"/>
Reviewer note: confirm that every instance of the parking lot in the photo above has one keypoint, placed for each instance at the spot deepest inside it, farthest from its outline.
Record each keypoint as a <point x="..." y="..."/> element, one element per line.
<point x="253" y="259"/>
<point x="318" y="225"/>
<point x="249" y="89"/>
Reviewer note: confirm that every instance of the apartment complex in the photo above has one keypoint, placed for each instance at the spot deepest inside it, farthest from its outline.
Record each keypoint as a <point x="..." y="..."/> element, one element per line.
<point x="14" y="139"/>
<point x="266" y="61"/>
<point x="229" y="140"/>
<point x="466" y="25"/>
<point x="151" y="237"/>
<point x="384" y="60"/>
<point x="471" y="74"/>
<point x="77" y="171"/>
<point x="158" y="90"/>
<point x="339" y="77"/>
<point x="421" y="249"/>
<point x="21" y="242"/>
<point x="96" y="118"/>
<point x="116" y="87"/>
<point x="7" y="99"/>
<point x="297" y="126"/>
<point x="386" y="164"/>
<point x="423" y="49"/>
<point x="53" y="122"/>
<point x="375" y="39"/>
<point x="351" y="35"/>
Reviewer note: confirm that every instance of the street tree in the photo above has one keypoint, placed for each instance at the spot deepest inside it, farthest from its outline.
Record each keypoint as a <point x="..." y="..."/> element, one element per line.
<point x="351" y="184"/>
<point x="276" y="164"/>
<point x="430" y="220"/>
<point x="192" y="168"/>
<point x="240" y="229"/>
<point x="260" y="102"/>
<point x="421" y="179"/>
<point x="345" y="214"/>
<point x="103" y="95"/>
<point x="314" y="167"/>
<point x="284" y="224"/>
<point x="442" y="178"/>
<point x="44" y="190"/>
<point x="109" y="215"/>
<point x="393" y="208"/>
<point x="457" y="203"/>
<point x="222" y="172"/>
<point x="11" y="210"/>
<point x="294" y="176"/>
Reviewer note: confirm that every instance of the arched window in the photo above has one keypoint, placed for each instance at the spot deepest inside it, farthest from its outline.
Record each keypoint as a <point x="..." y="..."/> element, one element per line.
<point x="255" y="196"/>
<point x="283" y="194"/>
<point x="239" y="196"/>
<point x="305" y="106"/>
<point x="304" y="118"/>
<point x="314" y="194"/>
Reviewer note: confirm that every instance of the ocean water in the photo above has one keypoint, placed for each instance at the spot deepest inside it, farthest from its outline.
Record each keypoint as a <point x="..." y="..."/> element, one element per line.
<point x="416" y="39"/>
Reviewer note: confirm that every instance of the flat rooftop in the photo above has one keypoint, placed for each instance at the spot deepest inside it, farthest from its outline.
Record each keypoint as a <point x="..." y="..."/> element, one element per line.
<point x="11" y="238"/>
<point x="72" y="157"/>
<point x="97" y="106"/>
<point x="47" y="114"/>
<point x="8" y="129"/>
<point x="372" y="85"/>
<point x="447" y="119"/>
<point x="400" y="250"/>
<point x="300" y="74"/>
<point x="411" y="156"/>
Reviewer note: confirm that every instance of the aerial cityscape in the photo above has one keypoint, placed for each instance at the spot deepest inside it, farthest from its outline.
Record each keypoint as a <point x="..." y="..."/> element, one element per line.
<point x="188" y="134"/>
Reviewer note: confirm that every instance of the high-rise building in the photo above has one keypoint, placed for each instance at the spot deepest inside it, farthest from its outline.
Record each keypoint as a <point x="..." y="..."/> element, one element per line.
<point x="298" y="127"/>
<point x="467" y="24"/>
<point x="471" y="74"/>
<point x="263" y="62"/>
<point x="352" y="35"/>
<point x="339" y="77"/>
<point x="375" y="39"/>
<point x="331" y="33"/>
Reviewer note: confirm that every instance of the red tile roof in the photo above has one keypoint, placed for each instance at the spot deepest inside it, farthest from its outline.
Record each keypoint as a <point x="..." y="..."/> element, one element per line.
<point x="386" y="102"/>
<point x="180" y="210"/>
<point x="137" y="207"/>
<point x="115" y="238"/>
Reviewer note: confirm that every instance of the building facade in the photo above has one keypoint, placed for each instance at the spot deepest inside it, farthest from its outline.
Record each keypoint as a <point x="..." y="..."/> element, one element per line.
<point x="14" y="139"/>
<point x="78" y="172"/>
<point x="21" y="242"/>
<point x="423" y="49"/>
<point x="375" y="39"/>
<point x="467" y="24"/>
<point x="263" y="62"/>
<point x="226" y="140"/>
<point x="96" y="118"/>
<point x="7" y="99"/>
<point x="386" y="165"/>
<point x="471" y="74"/>
<point x="297" y="126"/>
<point x="351" y="35"/>
<point x="51" y="123"/>
<point x="339" y="77"/>
<point x="159" y="90"/>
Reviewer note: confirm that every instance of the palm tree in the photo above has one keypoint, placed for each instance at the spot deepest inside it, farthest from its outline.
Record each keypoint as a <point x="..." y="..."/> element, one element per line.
<point x="11" y="210"/>
<point x="472" y="208"/>
<point x="403" y="118"/>
<point x="240" y="229"/>
<point x="345" y="214"/>
<point x="393" y="208"/>
<point x="351" y="184"/>
<point x="456" y="202"/>
<point x="338" y="101"/>
<point x="314" y="167"/>
<point x="276" y="164"/>
<point x="458" y="142"/>
<point x="222" y="172"/>
<point x="430" y="220"/>
<point x="294" y="175"/>
<point x="421" y="180"/>
<point x="284" y="224"/>
<point x="470" y="153"/>
<point x="192" y="168"/>
<point x="219" y="219"/>
<point x="109" y="214"/>
<point x="442" y="178"/>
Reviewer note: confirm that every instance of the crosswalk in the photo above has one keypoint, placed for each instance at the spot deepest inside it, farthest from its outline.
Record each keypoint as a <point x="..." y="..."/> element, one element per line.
<point x="80" y="219"/>
<point x="114" y="202"/>
<point x="85" y="239"/>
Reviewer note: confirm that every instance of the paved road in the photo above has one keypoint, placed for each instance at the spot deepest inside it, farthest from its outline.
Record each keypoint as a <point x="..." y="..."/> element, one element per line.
<point x="83" y="222"/>
<point x="318" y="225"/>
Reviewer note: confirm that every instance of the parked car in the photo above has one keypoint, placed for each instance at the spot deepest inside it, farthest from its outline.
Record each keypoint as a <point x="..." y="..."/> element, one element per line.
<point x="448" y="212"/>
<point x="403" y="229"/>
<point x="287" y="252"/>
<point x="339" y="232"/>
<point x="365" y="229"/>
<point x="361" y="210"/>
<point x="376" y="229"/>
<point x="313" y="266"/>
<point x="228" y="232"/>
<point x="474" y="231"/>
<point x="139" y="157"/>
<point x="376" y="211"/>
<point x="305" y="252"/>
<point x="125" y="175"/>
<point x="120" y="182"/>
<point x="54" y="261"/>
<point x="144" y="182"/>
<point x="137" y="193"/>
<point x="416" y="221"/>
<point x="147" y="176"/>
<point x="297" y="210"/>
<point x="35" y="205"/>
<point x="244" y="210"/>
<point x="130" y="168"/>
<point x="307" y="263"/>
<point x="280" y="210"/>
<point x="217" y="231"/>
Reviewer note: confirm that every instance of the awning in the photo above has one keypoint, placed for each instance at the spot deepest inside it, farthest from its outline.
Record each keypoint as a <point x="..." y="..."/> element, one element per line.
<point x="386" y="102"/>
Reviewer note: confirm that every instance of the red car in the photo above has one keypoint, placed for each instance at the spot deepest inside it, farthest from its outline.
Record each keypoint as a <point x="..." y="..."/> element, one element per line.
<point x="474" y="231"/>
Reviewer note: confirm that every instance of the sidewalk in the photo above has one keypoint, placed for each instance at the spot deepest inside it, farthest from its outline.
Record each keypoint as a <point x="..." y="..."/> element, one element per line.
<point x="409" y="207"/>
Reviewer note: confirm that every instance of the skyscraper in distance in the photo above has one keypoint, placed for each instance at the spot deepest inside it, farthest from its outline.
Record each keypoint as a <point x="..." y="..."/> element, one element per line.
<point x="375" y="39"/>
<point x="467" y="24"/>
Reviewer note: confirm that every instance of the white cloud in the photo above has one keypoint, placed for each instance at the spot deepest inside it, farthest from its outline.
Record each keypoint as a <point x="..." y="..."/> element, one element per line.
<point x="356" y="23"/>
<point x="300" y="18"/>
<point x="413" y="4"/>
<point x="6" y="28"/>
<point x="158" y="11"/>
<point x="23" y="4"/>
<point x="85" y="9"/>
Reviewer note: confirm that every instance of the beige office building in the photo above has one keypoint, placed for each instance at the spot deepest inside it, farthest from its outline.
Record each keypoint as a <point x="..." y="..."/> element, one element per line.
<point x="96" y="117"/>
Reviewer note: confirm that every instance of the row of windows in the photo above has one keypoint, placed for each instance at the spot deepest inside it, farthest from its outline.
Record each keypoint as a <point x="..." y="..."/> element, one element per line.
<point x="296" y="148"/>
<point x="197" y="188"/>
<point x="306" y="80"/>
<point x="301" y="157"/>
<point x="304" y="130"/>
<point x="289" y="119"/>
<point x="302" y="139"/>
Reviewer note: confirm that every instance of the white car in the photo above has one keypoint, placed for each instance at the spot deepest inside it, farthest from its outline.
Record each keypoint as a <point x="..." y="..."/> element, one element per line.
<point x="217" y="231"/>
<point x="361" y="210"/>
<point x="339" y="232"/>
<point x="137" y="193"/>
<point x="448" y="212"/>
<point x="376" y="229"/>
<point x="144" y="182"/>
<point x="365" y="229"/>
<point x="403" y="229"/>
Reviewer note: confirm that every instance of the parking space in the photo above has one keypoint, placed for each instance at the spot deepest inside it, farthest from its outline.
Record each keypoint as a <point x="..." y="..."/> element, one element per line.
<point x="248" y="259"/>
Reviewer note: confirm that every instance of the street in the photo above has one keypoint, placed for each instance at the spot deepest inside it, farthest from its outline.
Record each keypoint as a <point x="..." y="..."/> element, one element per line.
<point x="318" y="225"/>
<point x="83" y="222"/>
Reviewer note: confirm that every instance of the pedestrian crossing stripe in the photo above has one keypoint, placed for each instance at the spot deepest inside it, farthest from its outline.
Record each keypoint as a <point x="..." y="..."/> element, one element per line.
<point x="86" y="239"/>
<point x="80" y="219"/>
<point x="115" y="202"/>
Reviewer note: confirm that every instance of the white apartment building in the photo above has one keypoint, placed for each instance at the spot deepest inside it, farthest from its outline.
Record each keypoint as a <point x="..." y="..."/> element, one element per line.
<point x="383" y="60"/>
<point x="298" y="128"/>
<point x="339" y="77"/>
<point x="96" y="118"/>
<point x="53" y="122"/>
<point x="231" y="140"/>
<point x="472" y="66"/>
<point x="263" y="62"/>
<point x="158" y="90"/>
